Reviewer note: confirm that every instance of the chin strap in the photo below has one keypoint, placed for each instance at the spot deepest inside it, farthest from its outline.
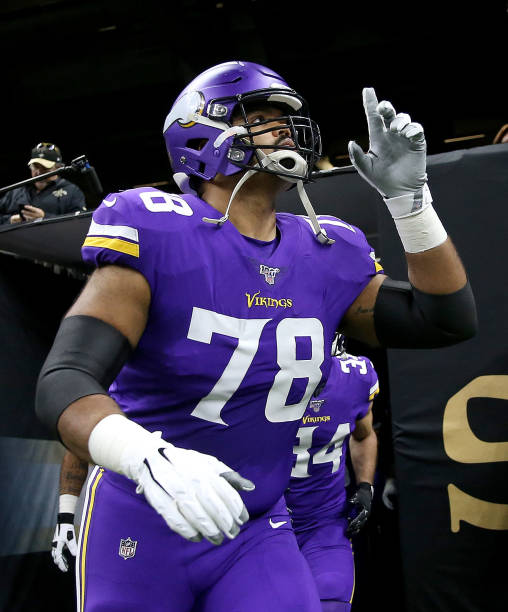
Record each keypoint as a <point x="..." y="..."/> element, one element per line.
<point x="274" y="162"/>
<point x="318" y="230"/>
<point x="225" y="217"/>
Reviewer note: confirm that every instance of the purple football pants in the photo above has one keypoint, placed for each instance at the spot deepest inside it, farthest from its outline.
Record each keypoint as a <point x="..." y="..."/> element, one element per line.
<point x="330" y="557"/>
<point x="130" y="561"/>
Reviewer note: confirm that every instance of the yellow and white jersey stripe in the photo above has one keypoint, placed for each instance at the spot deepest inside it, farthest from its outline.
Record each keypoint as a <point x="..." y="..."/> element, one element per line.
<point x="86" y="518"/>
<point x="374" y="390"/>
<point x="121" y="238"/>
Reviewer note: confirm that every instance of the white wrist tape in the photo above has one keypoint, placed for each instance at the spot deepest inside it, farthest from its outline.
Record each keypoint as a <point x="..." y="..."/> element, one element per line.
<point x="116" y="443"/>
<point x="421" y="232"/>
<point x="419" y="227"/>
<point x="67" y="504"/>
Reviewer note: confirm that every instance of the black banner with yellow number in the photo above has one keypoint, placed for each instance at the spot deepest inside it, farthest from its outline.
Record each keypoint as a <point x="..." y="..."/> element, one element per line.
<point x="450" y="406"/>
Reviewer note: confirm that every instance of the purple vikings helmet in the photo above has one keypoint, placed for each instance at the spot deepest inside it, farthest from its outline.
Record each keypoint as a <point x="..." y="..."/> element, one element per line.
<point x="201" y="139"/>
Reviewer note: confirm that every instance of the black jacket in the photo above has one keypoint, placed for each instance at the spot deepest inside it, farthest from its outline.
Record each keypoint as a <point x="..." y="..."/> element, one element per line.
<point x="59" y="197"/>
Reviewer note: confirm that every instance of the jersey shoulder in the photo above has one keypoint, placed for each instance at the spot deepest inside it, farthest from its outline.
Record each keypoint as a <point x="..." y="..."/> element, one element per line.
<point x="130" y="227"/>
<point x="335" y="228"/>
<point x="144" y="207"/>
<point x="349" y="240"/>
<point x="360" y="372"/>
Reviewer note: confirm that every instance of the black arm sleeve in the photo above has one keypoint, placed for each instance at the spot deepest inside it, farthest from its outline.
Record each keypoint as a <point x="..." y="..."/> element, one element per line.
<point x="405" y="317"/>
<point x="85" y="358"/>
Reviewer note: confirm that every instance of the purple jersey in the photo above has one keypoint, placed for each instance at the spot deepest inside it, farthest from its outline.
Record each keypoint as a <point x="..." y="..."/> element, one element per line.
<point x="239" y="331"/>
<point x="317" y="485"/>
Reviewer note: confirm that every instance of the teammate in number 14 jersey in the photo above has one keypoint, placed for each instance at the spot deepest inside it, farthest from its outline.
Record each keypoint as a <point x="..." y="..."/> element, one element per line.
<point x="316" y="497"/>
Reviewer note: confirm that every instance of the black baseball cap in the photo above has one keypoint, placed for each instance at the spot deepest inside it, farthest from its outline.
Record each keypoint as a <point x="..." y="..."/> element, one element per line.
<point x="46" y="154"/>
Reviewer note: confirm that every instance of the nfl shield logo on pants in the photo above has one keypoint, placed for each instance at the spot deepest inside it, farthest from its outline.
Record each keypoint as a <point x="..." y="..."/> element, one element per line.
<point x="127" y="548"/>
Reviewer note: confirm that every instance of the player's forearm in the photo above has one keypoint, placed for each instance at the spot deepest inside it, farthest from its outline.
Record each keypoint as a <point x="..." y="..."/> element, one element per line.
<point x="79" y="419"/>
<point x="364" y="457"/>
<point x="438" y="270"/>
<point x="72" y="474"/>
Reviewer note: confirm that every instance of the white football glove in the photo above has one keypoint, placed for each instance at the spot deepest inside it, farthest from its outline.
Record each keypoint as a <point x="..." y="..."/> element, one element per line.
<point x="395" y="165"/>
<point x="190" y="491"/>
<point x="396" y="161"/>
<point x="64" y="538"/>
<point x="193" y="492"/>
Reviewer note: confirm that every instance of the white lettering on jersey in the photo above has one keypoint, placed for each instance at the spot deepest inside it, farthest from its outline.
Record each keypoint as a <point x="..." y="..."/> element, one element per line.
<point x="329" y="222"/>
<point x="323" y="455"/>
<point x="204" y="323"/>
<point x="351" y="360"/>
<point x="169" y="203"/>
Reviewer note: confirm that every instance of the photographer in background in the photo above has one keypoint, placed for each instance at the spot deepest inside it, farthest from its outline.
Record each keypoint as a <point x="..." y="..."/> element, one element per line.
<point x="49" y="197"/>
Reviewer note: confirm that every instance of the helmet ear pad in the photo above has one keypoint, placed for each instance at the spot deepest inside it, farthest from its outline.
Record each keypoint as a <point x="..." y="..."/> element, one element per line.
<point x="208" y="160"/>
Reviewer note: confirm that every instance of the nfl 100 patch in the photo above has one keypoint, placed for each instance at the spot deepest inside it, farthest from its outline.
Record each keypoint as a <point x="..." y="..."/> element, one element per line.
<point x="315" y="405"/>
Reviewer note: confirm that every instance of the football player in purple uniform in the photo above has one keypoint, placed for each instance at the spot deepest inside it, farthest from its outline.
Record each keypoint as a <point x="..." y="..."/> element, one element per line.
<point x="340" y="416"/>
<point x="184" y="367"/>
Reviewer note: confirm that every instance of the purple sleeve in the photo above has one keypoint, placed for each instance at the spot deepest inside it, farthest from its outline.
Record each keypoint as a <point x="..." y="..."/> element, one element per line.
<point x="351" y="259"/>
<point x="121" y="234"/>
<point x="371" y="388"/>
<point x="352" y="239"/>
